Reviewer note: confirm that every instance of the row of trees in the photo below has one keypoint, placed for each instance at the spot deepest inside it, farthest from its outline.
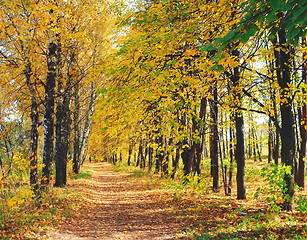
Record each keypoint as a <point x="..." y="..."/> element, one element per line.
<point x="50" y="55"/>
<point x="187" y="73"/>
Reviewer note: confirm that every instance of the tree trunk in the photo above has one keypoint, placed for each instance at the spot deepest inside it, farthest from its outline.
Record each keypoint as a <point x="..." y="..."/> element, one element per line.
<point x="34" y="133"/>
<point x="140" y="153"/>
<point x="214" y="151"/>
<point x="200" y="144"/>
<point x="48" y="120"/>
<point x="270" y="143"/>
<point x="150" y="155"/>
<point x="76" y="157"/>
<point x="176" y="162"/>
<point x="159" y="156"/>
<point x="277" y="133"/>
<point x="231" y="150"/>
<point x="296" y="143"/>
<point x="60" y="150"/>
<point x="240" y="158"/>
<point x="256" y="144"/>
<point x="187" y="157"/>
<point x="72" y="75"/>
<point x="87" y="125"/>
<point x="129" y="155"/>
<point x="62" y="129"/>
<point x="165" y="161"/>
<point x="238" y="118"/>
<point x="282" y="58"/>
<point x="303" y="127"/>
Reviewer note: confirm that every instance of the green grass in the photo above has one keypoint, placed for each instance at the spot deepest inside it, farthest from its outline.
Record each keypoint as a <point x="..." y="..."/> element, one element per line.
<point x="83" y="176"/>
<point x="135" y="171"/>
<point x="138" y="173"/>
<point x="85" y="173"/>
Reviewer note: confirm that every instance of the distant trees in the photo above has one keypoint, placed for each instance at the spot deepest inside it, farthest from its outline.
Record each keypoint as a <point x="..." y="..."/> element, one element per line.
<point x="176" y="56"/>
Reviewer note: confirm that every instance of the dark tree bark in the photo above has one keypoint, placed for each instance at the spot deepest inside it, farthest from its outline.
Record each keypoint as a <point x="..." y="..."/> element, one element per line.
<point x="187" y="157"/>
<point x="214" y="138"/>
<point x="238" y="118"/>
<point x="283" y="60"/>
<point x="62" y="130"/>
<point x="256" y="144"/>
<point x="201" y="130"/>
<point x="48" y="120"/>
<point x="240" y="158"/>
<point x="175" y="163"/>
<point x="159" y="156"/>
<point x="60" y="145"/>
<point x="150" y="158"/>
<point x="221" y="136"/>
<point x="140" y="154"/>
<point x="129" y="154"/>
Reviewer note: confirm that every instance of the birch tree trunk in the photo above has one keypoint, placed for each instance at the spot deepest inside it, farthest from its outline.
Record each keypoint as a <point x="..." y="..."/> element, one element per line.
<point x="85" y="133"/>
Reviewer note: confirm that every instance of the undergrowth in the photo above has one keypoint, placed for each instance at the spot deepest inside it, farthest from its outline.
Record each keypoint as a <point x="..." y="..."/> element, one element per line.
<point x="134" y="171"/>
<point x="22" y="216"/>
<point x="209" y="215"/>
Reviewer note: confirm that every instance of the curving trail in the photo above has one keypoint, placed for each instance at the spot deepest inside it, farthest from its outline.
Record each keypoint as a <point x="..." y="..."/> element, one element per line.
<point x="117" y="207"/>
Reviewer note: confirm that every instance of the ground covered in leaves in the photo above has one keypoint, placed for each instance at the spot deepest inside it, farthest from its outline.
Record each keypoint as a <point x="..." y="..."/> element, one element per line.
<point x="114" y="206"/>
<point x="118" y="202"/>
<point x="136" y="205"/>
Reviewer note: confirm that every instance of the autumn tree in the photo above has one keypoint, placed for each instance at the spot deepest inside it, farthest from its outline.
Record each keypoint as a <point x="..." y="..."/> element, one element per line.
<point x="283" y="21"/>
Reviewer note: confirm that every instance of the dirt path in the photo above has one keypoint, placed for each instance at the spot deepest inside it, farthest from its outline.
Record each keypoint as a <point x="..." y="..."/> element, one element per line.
<point x="117" y="207"/>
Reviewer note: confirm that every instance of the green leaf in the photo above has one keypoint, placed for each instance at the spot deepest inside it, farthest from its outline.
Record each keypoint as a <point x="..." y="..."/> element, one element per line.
<point x="218" y="41"/>
<point x="251" y="32"/>
<point x="214" y="67"/>
<point x="295" y="43"/>
<point x="271" y="17"/>
<point x="297" y="12"/>
<point x="244" y="38"/>
<point x="207" y="47"/>
<point x="292" y="34"/>
<point x="275" y="4"/>
<point x="228" y="36"/>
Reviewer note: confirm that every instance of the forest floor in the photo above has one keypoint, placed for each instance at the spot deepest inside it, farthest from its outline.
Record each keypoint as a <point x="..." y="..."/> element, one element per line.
<point x="137" y="205"/>
<point x="114" y="206"/>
